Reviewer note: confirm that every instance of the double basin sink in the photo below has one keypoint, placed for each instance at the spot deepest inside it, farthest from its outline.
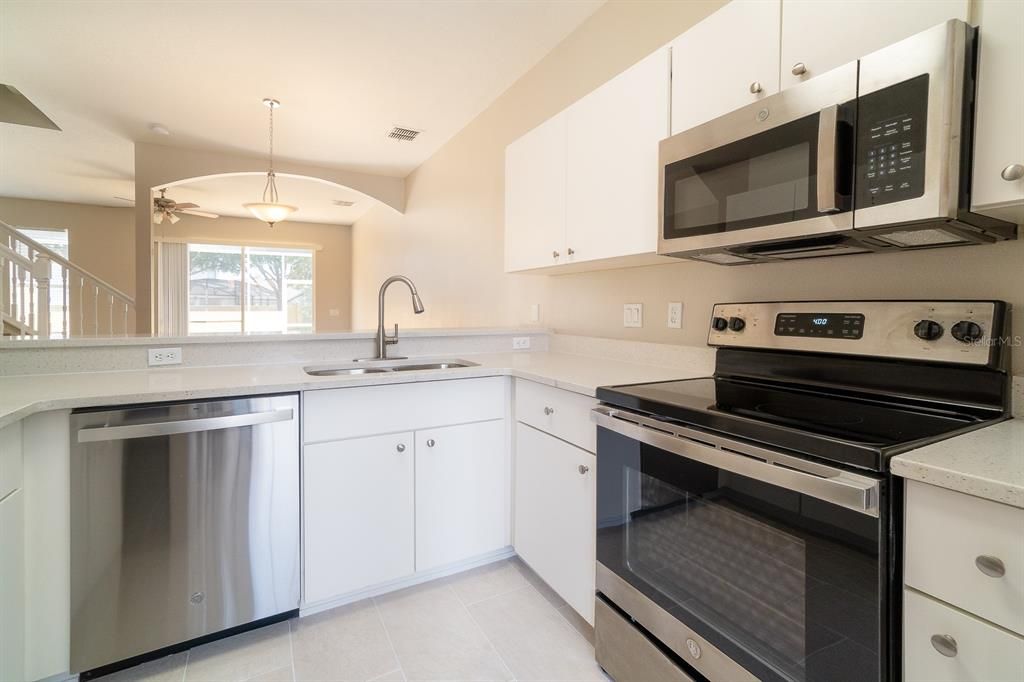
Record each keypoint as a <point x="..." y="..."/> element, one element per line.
<point x="386" y="366"/>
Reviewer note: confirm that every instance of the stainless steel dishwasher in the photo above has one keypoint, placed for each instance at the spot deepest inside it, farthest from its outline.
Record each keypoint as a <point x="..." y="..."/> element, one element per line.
<point x="184" y="523"/>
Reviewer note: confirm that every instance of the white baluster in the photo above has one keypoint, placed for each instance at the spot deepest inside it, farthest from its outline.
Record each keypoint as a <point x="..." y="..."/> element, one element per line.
<point x="81" y="306"/>
<point x="95" y="310"/>
<point x="126" y="319"/>
<point x="65" y="315"/>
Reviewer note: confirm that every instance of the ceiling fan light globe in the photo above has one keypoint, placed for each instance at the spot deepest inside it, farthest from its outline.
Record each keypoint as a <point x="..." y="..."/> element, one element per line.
<point x="158" y="217"/>
<point x="270" y="213"/>
<point x="173" y="218"/>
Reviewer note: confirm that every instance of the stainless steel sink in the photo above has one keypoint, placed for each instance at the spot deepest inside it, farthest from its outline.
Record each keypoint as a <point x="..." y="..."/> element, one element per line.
<point x="389" y="367"/>
<point x="338" y="371"/>
<point x="432" y="365"/>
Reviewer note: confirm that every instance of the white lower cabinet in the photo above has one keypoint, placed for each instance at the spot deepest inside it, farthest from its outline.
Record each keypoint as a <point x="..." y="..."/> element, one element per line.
<point x="359" y="524"/>
<point x="12" y="586"/>
<point x="555" y="515"/>
<point x="461" y="493"/>
<point x="943" y="644"/>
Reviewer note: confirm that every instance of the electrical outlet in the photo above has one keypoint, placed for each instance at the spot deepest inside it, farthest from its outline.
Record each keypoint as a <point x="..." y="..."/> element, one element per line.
<point x="164" y="356"/>
<point x="675" y="315"/>
<point x="633" y="315"/>
<point x="520" y="342"/>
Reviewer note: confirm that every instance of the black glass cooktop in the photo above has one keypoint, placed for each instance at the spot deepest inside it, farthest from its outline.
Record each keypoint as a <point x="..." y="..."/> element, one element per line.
<point x="860" y="430"/>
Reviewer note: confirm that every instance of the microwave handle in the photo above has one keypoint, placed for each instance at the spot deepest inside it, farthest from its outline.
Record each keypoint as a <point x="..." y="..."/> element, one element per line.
<point x="828" y="131"/>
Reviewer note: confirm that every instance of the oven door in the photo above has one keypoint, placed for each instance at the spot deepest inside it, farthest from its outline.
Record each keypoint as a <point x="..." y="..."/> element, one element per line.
<point x="745" y="563"/>
<point x="780" y="168"/>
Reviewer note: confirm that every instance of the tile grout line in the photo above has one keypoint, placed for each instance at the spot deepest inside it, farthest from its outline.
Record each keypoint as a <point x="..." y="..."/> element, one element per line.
<point x="512" y="675"/>
<point x="380" y="617"/>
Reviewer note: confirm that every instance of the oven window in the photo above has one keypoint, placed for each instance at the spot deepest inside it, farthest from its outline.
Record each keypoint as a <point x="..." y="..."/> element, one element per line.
<point x="786" y="585"/>
<point x="765" y="179"/>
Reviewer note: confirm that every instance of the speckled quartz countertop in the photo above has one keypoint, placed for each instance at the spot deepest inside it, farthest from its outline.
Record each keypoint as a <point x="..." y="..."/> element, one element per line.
<point x="23" y="395"/>
<point x="986" y="463"/>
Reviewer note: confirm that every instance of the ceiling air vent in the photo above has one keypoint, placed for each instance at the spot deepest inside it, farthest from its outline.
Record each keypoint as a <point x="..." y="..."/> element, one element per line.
<point x="343" y="203"/>
<point x="405" y="134"/>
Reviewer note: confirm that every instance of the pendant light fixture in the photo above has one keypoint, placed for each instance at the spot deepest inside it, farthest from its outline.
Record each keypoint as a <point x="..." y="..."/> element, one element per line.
<point x="270" y="210"/>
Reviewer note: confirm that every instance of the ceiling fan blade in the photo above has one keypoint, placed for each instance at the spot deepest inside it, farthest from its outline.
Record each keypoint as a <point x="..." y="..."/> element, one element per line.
<point x="187" y="204"/>
<point x="201" y="214"/>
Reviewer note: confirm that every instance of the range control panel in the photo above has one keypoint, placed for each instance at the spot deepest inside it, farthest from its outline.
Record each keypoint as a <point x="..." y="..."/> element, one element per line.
<point x="828" y="325"/>
<point x="891" y="129"/>
<point x="965" y="332"/>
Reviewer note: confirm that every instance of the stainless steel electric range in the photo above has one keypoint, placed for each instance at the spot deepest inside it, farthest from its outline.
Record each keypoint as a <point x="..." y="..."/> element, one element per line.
<point x="748" y="528"/>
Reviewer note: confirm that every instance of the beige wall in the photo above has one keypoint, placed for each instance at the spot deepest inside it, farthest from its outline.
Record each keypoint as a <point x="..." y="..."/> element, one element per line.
<point x="332" y="261"/>
<point x="101" y="239"/>
<point x="450" y="238"/>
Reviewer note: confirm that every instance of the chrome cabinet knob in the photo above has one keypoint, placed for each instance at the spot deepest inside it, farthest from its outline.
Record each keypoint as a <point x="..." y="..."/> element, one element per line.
<point x="1015" y="171"/>
<point x="430" y="443"/>
<point x="554" y="254"/>
<point x="799" y="69"/>
<point x="991" y="566"/>
<point x="945" y="645"/>
<point x="583" y="469"/>
<point x="400" y="447"/>
<point x="571" y="252"/>
<point x="755" y="87"/>
<point x="549" y="411"/>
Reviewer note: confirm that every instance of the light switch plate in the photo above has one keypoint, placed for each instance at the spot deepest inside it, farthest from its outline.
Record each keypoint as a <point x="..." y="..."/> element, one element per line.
<point x="535" y="312"/>
<point x="164" y="356"/>
<point x="675" y="315"/>
<point x="520" y="342"/>
<point x="633" y="315"/>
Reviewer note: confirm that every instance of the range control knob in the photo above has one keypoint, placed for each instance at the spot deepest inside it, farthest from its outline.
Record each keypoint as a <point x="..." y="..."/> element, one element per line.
<point x="966" y="331"/>
<point x="737" y="324"/>
<point x="719" y="324"/>
<point x="928" y="330"/>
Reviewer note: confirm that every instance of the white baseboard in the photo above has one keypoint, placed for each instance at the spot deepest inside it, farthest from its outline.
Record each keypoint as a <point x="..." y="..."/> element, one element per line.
<point x="415" y="579"/>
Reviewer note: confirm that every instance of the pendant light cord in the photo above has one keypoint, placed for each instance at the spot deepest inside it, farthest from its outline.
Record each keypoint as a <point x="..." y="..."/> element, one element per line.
<point x="271" y="186"/>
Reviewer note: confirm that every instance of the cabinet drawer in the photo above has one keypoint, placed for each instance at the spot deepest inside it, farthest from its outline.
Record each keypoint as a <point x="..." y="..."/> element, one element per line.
<point x="982" y="651"/>
<point x="563" y="414"/>
<point x="951" y="538"/>
<point x="334" y="414"/>
<point x="10" y="458"/>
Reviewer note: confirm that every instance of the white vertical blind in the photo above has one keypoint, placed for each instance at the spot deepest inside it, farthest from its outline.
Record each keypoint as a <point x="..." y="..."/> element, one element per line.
<point x="172" y="289"/>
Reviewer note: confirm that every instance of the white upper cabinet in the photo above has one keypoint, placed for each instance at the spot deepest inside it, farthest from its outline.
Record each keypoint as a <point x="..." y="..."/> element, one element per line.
<point x="535" y="197"/>
<point x="999" y="131"/>
<point x="818" y="36"/>
<point x="612" y="168"/>
<point x="728" y="60"/>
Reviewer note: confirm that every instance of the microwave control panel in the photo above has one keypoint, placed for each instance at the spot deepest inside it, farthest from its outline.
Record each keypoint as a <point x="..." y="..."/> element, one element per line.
<point x="891" y="127"/>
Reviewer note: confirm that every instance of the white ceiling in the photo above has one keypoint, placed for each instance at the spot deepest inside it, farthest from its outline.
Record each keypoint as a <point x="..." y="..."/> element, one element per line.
<point x="225" y="195"/>
<point x="345" y="72"/>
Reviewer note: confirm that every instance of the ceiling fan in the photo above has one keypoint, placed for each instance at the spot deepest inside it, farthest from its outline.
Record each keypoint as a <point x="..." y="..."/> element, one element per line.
<point x="165" y="207"/>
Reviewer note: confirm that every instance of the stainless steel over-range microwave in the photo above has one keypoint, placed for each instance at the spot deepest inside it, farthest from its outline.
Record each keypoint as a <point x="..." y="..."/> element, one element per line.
<point x="871" y="156"/>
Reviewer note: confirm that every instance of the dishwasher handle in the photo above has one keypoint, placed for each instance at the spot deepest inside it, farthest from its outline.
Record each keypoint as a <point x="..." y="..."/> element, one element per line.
<point x="96" y="434"/>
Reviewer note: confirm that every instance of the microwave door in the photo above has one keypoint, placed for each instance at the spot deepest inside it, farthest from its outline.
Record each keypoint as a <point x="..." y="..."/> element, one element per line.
<point x="777" y="169"/>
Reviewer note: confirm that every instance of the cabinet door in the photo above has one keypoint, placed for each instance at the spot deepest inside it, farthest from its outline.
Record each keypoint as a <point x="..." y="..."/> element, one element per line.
<point x="462" y="506"/>
<point x="555" y="515"/>
<point x="823" y="35"/>
<point x="358" y="514"/>
<point x="728" y="60"/>
<point x="999" y="133"/>
<point x="535" y="197"/>
<point x="12" y="585"/>
<point x="612" y="169"/>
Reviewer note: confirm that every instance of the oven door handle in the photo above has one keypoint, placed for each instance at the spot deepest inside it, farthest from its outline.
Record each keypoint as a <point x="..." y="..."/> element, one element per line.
<point x="836" y="486"/>
<point x="828" y="131"/>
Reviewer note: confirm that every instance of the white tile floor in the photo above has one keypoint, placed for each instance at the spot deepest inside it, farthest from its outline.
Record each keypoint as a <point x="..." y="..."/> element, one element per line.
<point x="497" y="622"/>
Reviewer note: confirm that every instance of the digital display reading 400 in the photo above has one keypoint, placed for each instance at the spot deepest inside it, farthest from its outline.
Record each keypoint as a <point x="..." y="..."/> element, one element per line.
<point x="844" y="326"/>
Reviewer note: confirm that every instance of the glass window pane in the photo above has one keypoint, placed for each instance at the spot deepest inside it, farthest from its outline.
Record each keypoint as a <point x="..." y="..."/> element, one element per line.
<point x="215" y="289"/>
<point x="279" y="290"/>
